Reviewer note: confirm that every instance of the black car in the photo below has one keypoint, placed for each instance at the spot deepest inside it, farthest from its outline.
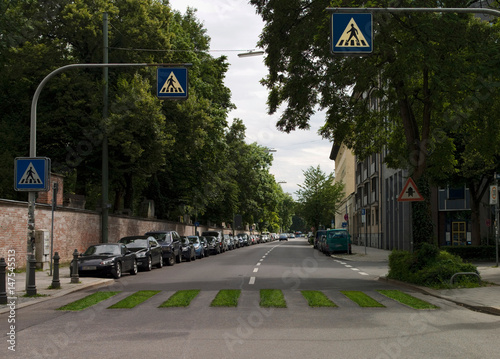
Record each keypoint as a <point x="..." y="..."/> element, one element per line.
<point x="170" y="242"/>
<point x="107" y="259"/>
<point x="188" y="252"/>
<point x="147" y="251"/>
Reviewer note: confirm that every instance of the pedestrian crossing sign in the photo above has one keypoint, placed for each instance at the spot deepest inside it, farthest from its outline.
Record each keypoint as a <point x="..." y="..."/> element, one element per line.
<point x="32" y="174"/>
<point x="352" y="33"/>
<point x="172" y="83"/>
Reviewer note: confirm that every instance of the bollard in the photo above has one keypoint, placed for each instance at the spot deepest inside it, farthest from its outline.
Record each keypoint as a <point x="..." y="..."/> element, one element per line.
<point x="56" y="284"/>
<point x="31" y="286"/>
<point x="3" y="287"/>
<point x="74" y="268"/>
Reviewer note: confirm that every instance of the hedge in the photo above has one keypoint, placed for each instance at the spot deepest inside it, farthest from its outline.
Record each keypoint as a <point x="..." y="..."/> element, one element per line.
<point x="472" y="253"/>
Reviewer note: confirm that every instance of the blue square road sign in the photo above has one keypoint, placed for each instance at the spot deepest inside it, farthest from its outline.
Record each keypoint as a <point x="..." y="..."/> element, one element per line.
<point x="352" y="33"/>
<point x="32" y="174"/>
<point x="172" y="83"/>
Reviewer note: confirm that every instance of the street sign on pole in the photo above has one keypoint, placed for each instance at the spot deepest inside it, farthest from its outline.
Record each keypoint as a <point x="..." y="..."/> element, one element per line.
<point x="352" y="33"/>
<point x="410" y="192"/>
<point x="32" y="174"/>
<point x="172" y="83"/>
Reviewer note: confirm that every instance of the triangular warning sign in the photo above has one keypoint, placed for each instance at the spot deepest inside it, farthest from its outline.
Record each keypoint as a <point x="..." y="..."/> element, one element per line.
<point x="30" y="176"/>
<point x="410" y="192"/>
<point x="352" y="36"/>
<point x="172" y="85"/>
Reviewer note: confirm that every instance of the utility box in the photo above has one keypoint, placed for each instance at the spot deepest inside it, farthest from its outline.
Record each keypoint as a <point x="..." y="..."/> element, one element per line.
<point x="42" y="248"/>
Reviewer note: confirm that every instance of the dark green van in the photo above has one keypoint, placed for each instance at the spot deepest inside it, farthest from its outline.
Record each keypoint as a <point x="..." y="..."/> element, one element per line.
<point x="337" y="240"/>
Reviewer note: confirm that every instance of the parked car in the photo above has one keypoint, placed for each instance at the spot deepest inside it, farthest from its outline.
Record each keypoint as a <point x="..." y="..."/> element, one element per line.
<point x="244" y="240"/>
<point x="220" y="239"/>
<point x="206" y="246"/>
<point x="198" y="247"/>
<point x="283" y="237"/>
<point x="337" y="240"/>
<point x="213" y="245"/>
<point x="188" y="252"/>
<point x="170" y="242"/>
<point x="317" y="238"/>
<point x="107" y="259"/>
<point x="147" y="251"/>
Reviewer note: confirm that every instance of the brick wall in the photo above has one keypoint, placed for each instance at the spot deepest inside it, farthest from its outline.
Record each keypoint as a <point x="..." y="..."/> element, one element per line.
<point x="73" y="228"/>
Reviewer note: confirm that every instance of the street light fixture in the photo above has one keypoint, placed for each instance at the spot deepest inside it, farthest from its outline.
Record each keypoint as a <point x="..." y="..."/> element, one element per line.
<point x="251" y="53"/>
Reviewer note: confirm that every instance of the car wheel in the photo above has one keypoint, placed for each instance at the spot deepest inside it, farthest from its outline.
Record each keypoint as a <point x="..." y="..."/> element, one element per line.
<point x="160" y="264"/>
<point x="207" y="254"/>
<point x="133" y="271"/>
<point x="179" y="258"/>
<point x="150" y="264"/>
<point x="117" y="272"/>
<point x="194" y="256"/>
<point x="190" y="258"/>
<point x="171" y="260"/>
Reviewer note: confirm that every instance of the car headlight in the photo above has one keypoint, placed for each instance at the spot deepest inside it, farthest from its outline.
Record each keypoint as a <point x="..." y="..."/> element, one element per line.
<point x="107" y="262"/>
<point x="140" y="254"/>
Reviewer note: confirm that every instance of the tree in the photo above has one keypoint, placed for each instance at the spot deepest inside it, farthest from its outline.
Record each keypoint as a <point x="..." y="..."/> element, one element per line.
<point x="398" y="98"/>
<point x="319" y="198"/>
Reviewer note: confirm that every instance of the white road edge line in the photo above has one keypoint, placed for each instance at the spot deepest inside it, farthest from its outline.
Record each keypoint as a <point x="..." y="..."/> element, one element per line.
<point x="252" y="280"/>
<point x="255" y="270"/>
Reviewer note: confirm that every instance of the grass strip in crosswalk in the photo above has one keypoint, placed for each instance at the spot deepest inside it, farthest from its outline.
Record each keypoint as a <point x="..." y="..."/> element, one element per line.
<point x="226" y="298"/>
<point x="88" y="301"/>
<point x="362" y="299"/>
<point x="315" y="298"/>
<point x="272" y="298"/>
<point x="407" y="299"/>
<point x="181" y="298"/>
<point x="135" y="299"/>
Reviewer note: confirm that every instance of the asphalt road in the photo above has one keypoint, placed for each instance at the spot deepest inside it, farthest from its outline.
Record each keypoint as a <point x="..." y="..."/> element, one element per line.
<point x="249" y="331"/>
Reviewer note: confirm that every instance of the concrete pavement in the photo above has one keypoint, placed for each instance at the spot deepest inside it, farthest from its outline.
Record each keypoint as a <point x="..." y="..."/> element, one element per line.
<point x="43" y="281"/>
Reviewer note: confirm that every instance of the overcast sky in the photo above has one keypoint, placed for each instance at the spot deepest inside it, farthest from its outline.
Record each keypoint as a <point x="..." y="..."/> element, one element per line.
<point x="234" y="25"/>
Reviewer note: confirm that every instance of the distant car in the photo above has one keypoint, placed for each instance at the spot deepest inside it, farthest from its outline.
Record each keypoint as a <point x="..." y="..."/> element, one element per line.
<point x="188" y="252"/>
<point x="206" y="246"/>
<point x="337" y="240"/>
<point x="198" y="247"/>
<point x="170" y="242"/>
<point x="107" y="259"/>
<point x="147" y="251"/>
<point x="283" y="237"/>
<point x="220" y="239"/>
<point x="213" y="245"/>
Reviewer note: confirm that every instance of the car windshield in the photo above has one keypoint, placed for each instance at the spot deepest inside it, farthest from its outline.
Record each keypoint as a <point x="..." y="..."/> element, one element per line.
<point x="138" y="243"/>
<point x="102" y="250"/>
<point x="159" y="236"/>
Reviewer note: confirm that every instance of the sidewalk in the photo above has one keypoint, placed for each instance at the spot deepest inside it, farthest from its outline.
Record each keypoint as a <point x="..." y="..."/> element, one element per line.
<point x="485" y="299"/>
<point x="42" y="282"/>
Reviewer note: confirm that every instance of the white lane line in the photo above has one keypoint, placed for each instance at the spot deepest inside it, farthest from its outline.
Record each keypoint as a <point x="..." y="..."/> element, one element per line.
<point x="348" y="266"/>
<point x="341" y="262"/>
<point x="363" y="273"/>
<point x="255" y="270"/>
<point x="258" y="264"/>
<point x="261" y="260"/>
<point x="252" y="280"/>
<point x="354" y="269"/>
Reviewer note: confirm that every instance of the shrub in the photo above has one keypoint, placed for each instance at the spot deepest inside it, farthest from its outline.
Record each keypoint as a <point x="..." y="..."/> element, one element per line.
<point x="429" y="266"/>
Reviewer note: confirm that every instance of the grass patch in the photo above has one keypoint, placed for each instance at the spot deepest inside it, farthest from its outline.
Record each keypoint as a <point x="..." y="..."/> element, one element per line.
<point x="272" y="298"/>
<point x="226" y="298"/>
<point x="315" y="298"/>
<point x="407" y="299"/>
<point x="135" y="299"/>
<point x="88" y="301"/>
<point x="361" y="299"/>
<point x="181" y="298"/>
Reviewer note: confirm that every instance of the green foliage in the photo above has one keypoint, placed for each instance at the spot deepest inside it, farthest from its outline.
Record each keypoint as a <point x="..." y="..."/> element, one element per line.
<point x="428" y="266"/>
<point x="181" y="154"/>
<point x="319" y="197"/>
